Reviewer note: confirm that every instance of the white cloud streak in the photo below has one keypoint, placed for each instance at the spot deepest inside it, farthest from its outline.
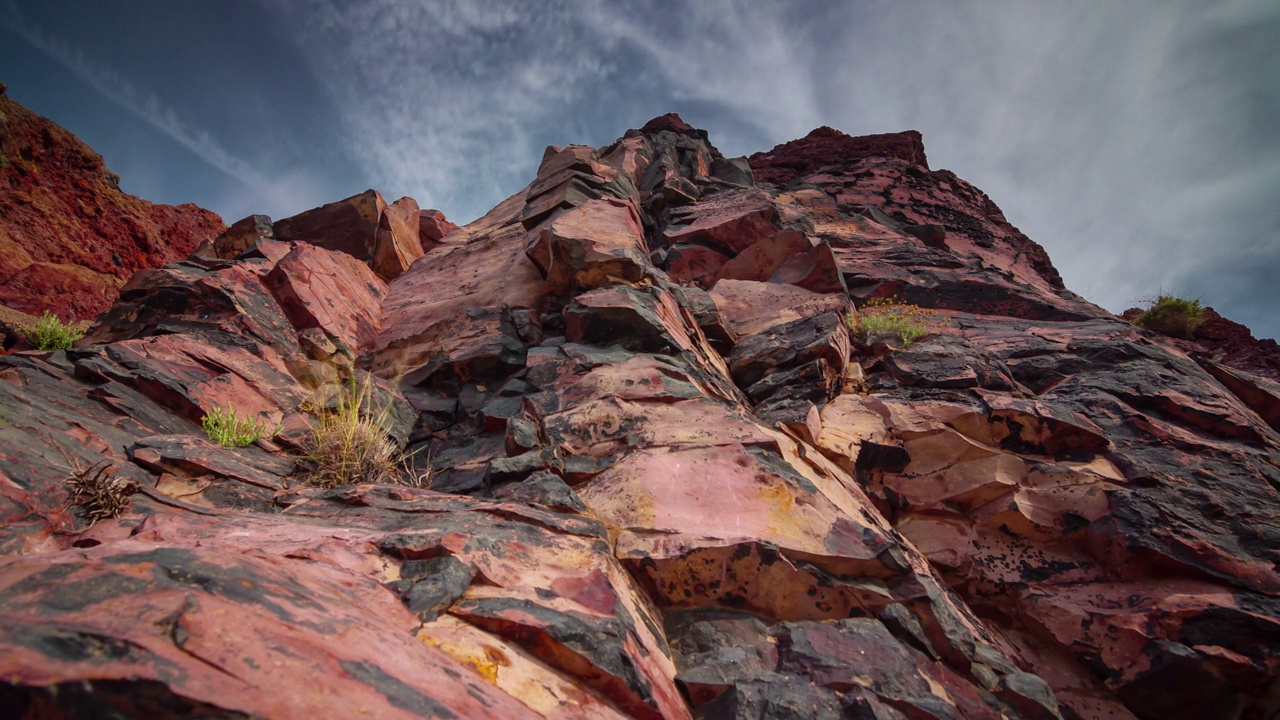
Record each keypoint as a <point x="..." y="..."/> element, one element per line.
<point x="119" y="90"/>
<point x="1136" y="141"/>
<point x="257" y="190"/>
<point x="445" y="97"/>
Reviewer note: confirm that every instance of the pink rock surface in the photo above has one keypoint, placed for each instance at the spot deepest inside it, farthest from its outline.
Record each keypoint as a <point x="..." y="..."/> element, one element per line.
<point x="729" y="222"/>
<point x="332" y="292"/>
<point x="597" y="244"/>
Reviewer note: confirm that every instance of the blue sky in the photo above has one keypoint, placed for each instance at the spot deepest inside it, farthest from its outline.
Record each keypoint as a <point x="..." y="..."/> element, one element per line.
<point x="1137" y="141"/>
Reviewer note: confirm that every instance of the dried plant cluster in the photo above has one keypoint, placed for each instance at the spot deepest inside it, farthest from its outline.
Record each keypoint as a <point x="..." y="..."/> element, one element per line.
<point x="99" y="494"/>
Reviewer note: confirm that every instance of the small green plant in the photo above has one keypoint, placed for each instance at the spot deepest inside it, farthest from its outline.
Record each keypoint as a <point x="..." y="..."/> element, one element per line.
<point x="1173" y="316"/>
<point x="908" y="321"/>
<point x="50" y="333"/>
<point x="227" y="428"/>
<point x="349" y="445"/>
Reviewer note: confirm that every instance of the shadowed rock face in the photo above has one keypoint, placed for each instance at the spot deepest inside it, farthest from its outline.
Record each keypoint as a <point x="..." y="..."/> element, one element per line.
<point x="669" y="478"/>
<point x="69" y="238"/>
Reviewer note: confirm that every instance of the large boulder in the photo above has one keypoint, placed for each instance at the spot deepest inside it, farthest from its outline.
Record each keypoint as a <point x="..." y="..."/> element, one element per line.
<point x="383" y="236"/>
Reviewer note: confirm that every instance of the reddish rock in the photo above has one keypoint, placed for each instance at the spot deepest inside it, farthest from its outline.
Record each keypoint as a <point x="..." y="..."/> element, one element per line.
<point x="432" y="227"/>
<point x="331" y="292"/>
<point x="62" y="211"/>
<point x="826" y="146"/>
<point x="78" y="291"/>
<point x="729" y="222"/>
<point x="687" y="263"/>
<point x="398" y="241"/>
<point x="1230" y="343"/>
<point x="671" y="122"/>
<point x="385" y="237"/>
<point x="243" y="234"/>
<point x="597" y="244"/>
<point x="666" y="479"/>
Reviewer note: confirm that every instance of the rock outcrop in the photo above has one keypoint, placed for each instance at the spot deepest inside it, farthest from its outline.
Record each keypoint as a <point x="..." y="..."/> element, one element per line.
<point x="69" y="238"/>
<point x="1219" y="340"/>
<point x="669" y="474"/>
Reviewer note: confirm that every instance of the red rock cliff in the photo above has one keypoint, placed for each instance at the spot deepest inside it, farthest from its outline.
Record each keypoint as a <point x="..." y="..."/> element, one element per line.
<point x="69" y="238"/>
<point x="675" y="469"/>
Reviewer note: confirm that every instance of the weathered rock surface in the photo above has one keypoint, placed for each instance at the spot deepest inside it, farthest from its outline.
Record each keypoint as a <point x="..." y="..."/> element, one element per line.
<point x="1219" y="340"/>
<point x="667" y="478"/>
<point x="384" y="236"/>
<point x="69" y="238"/>
<point x="826" y="146"/>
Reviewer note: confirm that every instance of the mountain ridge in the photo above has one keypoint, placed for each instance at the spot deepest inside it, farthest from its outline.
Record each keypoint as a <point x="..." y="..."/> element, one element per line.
<point x="674" y="470"/>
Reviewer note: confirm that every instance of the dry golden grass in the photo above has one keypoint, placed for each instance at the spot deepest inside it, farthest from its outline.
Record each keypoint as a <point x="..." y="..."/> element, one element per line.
<point x="349" y="445"/>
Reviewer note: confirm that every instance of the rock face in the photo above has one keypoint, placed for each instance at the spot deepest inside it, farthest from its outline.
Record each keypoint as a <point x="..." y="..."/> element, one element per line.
<point x="69" y="238"/>
<point x="671" y="476"/>
<point x="1219" y="340"/>
<point x="384" y="236"/>
<point x="827" y="146"/>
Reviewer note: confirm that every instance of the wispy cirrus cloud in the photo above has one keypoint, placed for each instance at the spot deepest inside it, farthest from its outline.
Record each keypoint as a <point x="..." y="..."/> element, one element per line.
<point x="253" y="190"/>
<point x="447" y="101"/>
<point x="1137" y="141"/>
<point x="146" y="106"/>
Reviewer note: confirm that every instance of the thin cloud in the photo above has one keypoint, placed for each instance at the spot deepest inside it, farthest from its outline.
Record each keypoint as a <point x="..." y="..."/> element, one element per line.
<point x="119" y="90"/>
<point x="1135" y="141"/>
<point x="446" y="99"/>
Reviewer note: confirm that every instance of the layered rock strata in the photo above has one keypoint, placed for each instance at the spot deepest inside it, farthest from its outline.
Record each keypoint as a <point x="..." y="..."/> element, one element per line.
<point x="668" y="479"/>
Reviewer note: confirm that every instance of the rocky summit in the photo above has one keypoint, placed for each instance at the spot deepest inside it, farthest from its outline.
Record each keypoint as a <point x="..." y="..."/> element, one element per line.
<point x="812" y="434"/>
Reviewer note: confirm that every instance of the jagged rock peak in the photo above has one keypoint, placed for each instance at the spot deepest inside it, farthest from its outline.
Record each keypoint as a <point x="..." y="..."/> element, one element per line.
<point x="827" y="146"/>
<point x="673" y="123"/>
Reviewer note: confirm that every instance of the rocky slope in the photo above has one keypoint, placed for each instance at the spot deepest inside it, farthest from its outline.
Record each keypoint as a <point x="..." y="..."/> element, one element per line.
<point x="667" y="478"/>
<point x="69" y="238"/>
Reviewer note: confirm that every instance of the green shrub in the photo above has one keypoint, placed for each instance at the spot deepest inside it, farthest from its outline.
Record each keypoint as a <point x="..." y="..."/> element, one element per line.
<point x="228" y="429"/>
<point x="1173" y="316"/>
<point x="49" y="333"/>
<point x="349" y="445"/>
<point x="909" y="322"/>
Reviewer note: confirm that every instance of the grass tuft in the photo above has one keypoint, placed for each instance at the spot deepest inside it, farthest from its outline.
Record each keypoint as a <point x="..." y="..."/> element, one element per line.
<point x="1173" y="316"/>
<point x="909" y="322"/>
<point x="50" y="333"/>
<point x="349" y="445"/>
<point x="229" y="429"/>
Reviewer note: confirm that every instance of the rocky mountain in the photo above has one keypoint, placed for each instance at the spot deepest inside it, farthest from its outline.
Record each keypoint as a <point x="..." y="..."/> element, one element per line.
<point x="664" y="464"/>
<point x="69" y="238"/>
